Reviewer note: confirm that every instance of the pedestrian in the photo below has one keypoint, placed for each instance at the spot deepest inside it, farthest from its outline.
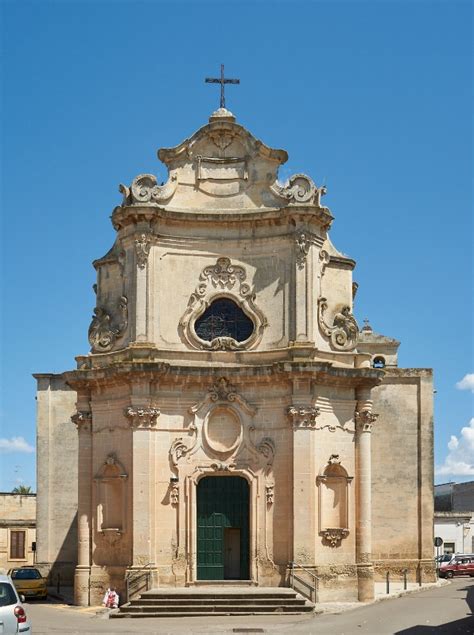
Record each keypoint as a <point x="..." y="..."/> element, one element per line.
<point x="111" y="598"/>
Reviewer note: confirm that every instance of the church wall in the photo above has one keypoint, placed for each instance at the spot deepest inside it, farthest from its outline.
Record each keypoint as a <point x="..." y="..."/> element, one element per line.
<point x="56" y="478"/>
<point x="176" y="273"/>
<point x="402" y="473"/>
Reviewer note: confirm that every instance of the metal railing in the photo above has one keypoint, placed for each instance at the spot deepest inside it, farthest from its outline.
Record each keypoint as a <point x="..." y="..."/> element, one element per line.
<point x="138" y="581"/>
<point x="311" y="591"/>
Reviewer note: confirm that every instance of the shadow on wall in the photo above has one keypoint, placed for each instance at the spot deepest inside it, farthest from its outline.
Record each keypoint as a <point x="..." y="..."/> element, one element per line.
<point x="65" y="564"/>
<point x="464" y="625"/>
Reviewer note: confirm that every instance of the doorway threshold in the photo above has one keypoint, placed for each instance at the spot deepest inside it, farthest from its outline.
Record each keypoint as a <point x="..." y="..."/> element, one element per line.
<point x="225" y="583"/>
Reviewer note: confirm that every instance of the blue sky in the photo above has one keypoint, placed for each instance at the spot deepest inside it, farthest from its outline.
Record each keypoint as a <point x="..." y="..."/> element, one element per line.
<point x="374" y="98"/>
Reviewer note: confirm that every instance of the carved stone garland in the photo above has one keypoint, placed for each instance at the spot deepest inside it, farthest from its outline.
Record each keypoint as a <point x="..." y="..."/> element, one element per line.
<point x="222" y="280"/>
<point x="344" y="332"/>
<point x="142" y="417"/>
<point x="142" y="250"/>
<point x="303" y="242"/>
<point x="105" y="329"/>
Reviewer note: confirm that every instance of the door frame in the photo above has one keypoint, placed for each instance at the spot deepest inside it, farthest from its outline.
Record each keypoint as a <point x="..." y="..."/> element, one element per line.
<point x="191" y="515"/>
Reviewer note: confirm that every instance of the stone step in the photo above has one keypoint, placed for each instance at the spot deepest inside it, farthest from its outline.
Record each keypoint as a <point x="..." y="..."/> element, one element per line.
<point x="215" y="601"/>
<point x="211" y="608"/>
<point x="185" y="614"/>
<point x="218" y="596"/>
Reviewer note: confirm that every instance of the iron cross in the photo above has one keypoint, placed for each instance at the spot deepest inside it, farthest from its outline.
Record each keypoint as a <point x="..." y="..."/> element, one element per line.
<point x="222" y="80"/>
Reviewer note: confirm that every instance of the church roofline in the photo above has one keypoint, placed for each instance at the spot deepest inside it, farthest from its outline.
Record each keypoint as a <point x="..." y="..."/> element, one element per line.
<point x="168" y="155"/>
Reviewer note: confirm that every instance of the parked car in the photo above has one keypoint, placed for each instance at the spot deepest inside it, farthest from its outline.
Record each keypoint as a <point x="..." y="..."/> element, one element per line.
<point x="28" y="580"/>
<point x="459" y="565"/>
<point x="13" y="617"/>
<point x="444" y="559"/>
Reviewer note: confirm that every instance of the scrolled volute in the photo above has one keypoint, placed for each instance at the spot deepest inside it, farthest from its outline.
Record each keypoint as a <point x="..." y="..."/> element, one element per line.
<point x="104" y="330"/>
<point x="344" y="332"/>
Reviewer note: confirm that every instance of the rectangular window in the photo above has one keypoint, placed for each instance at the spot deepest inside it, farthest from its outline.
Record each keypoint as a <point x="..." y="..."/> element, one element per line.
<point x="449" y="547"/>
<point x="17" y="545"/>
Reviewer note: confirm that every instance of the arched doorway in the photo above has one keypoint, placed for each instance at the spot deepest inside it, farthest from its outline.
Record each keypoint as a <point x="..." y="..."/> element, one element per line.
<point x="223" y="528"/>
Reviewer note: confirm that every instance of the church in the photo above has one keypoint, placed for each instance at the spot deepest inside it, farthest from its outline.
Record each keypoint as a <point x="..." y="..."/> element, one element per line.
<point x="231" y="417"/>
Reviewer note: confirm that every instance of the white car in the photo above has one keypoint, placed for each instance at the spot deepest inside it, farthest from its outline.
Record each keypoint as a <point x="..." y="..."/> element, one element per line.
<point x="13" y="619"/>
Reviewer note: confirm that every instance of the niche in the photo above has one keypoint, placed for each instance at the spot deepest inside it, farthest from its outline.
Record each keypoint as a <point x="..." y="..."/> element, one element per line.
<point x="333" y="484"/>
<point x="111" y="496"/>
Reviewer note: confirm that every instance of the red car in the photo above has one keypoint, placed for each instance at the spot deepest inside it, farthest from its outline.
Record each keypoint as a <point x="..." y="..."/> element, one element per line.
<point x="459" y="565"/>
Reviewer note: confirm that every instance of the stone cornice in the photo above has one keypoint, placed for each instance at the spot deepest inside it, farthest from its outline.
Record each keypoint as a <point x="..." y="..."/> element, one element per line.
<point x="154" y="371"/>
<point x="123" y="216"/>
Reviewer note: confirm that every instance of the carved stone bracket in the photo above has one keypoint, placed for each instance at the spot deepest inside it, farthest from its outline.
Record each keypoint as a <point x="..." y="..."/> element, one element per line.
<point x="344" y="332"/>
<point x="267" y="448"/>
<point x="82" y="419"/>
<point x="145" y="189"/>
<point x="303" y="416"/>
<point x="142" y="250"/>
<point x="142" y="417"/>
<point x="334" y="536"/>
<point x="105" y="330"/>
<point x="364" y="420"/>
<point x="111" y="536"/>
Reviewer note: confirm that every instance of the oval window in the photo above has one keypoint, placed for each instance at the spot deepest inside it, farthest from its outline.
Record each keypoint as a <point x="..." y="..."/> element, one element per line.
<point x="224" y="318"/>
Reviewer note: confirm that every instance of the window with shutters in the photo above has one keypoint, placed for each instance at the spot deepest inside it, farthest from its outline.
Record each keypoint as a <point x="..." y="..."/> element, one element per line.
<point x="17" y="544"/>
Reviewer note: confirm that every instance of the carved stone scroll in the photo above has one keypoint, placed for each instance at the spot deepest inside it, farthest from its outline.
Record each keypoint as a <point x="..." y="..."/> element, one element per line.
<point x="344" y="332"/>
<point x="105" y="329"/>
<point x="145" y="189"/>
<point x="82" y="419"/>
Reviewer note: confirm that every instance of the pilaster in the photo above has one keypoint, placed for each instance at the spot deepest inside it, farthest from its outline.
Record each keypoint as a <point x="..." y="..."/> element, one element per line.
<point x="364" y="419"/>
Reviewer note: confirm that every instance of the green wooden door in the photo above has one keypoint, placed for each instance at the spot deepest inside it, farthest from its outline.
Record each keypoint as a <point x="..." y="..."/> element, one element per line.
<point x="222" y="502"/>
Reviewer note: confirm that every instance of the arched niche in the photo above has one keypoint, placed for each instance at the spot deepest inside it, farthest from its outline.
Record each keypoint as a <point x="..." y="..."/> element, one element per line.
<point x="111" y="496"/>
<point x="333" y="483"/>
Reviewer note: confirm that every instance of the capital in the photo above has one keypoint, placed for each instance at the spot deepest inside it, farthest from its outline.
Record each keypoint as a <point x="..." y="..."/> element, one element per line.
<point x="142" y="417"/>
<point x="364" y="420"/>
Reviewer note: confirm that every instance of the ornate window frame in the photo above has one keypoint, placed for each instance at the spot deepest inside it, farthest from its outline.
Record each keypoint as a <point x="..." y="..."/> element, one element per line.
<point x="222" y="280"/>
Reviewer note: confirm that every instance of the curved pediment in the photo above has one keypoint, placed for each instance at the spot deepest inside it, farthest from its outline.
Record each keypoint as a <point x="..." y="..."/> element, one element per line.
<point x="223" y="167"/>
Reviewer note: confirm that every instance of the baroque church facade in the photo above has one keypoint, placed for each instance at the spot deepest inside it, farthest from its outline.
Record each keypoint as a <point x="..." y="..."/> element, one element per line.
<point x="231" y="418"/>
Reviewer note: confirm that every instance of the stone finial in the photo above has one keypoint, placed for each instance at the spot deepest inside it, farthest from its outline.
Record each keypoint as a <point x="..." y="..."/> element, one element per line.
<point x="366" y="328"/>
<point x="221" y="114"/>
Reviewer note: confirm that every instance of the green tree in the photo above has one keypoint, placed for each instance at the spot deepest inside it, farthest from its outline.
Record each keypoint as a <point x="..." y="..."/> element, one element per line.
<point x="22" y="489"/>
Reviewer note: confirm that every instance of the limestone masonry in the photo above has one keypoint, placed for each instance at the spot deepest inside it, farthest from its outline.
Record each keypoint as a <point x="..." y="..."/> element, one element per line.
<point x="231" y="417"/>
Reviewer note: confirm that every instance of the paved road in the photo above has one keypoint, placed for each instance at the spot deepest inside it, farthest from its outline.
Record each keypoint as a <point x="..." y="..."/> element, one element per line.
<point x="447" y="610"/>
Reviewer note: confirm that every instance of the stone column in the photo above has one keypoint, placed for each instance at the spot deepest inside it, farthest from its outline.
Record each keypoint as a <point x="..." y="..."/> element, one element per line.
<point x="365" y="570"/>
<point x="83" y="420"/>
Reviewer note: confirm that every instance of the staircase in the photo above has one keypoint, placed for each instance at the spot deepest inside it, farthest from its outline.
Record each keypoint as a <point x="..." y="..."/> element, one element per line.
<point x="199" y="602"/>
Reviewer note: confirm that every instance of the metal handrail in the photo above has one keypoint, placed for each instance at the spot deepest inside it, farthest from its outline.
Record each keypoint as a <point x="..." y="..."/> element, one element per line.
<point x="134" y="576"/>
<point x="314" y="588"/>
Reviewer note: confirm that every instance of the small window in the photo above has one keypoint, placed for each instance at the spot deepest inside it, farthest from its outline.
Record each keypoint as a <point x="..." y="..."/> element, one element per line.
<point x="449" y="547"/>
<point x="17" y="545"/>
<point x="224" y="318"/>
<point x="379" y="362"/>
